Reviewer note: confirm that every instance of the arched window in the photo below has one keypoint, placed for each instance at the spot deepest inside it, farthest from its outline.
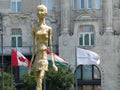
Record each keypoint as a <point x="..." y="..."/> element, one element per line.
<point x="86" y="35"/>
<point x="88" y="77"/>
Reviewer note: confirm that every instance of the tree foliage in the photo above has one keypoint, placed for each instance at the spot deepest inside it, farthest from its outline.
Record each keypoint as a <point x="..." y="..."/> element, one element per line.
<point x="61" y="80"/>
<point x="7" y="81"/>
<point x="28" y="81"/>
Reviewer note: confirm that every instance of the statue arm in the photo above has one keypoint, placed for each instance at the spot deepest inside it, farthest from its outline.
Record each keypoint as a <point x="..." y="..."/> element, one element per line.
<point x="50" y="38"/>
<point x="50" y="43"/>
<point x="33" y="47"/>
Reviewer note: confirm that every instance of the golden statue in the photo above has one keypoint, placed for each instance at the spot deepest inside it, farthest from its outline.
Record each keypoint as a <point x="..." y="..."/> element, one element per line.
<point x="41" y="34"/>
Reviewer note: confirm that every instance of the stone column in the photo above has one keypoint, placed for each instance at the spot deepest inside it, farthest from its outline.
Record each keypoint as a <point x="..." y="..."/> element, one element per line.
<point x="107" y="15"/>
<point x="65" y="16"/>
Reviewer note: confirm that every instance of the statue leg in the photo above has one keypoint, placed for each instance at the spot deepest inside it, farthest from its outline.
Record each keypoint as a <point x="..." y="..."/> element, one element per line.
<point x="39" y="79"/>
<point x="36" y="75"/>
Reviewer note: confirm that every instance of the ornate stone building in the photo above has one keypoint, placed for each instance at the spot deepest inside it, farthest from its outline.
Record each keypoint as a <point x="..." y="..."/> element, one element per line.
<point x="89" y="24"/>
<point x="92" y="25"/>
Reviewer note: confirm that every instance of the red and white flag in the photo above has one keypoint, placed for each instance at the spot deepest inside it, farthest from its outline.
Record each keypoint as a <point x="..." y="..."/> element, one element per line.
<point x="18" y="59"/>
<point x="58" y="60"/>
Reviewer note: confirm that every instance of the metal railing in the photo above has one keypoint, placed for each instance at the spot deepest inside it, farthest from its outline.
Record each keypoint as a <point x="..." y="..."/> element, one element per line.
<point x="27" y="50"/>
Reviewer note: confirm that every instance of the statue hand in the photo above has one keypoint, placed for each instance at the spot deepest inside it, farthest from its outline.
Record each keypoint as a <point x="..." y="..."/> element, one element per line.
<point x="55" y="67"/>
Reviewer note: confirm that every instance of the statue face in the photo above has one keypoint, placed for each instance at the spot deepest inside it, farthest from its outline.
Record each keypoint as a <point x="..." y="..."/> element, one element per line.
<point x="41" y="11"/>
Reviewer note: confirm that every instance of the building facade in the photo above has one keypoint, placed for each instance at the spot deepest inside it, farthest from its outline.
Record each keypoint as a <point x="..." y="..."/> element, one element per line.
<point x="92" y="25"/>
<point x="88" y="24"/>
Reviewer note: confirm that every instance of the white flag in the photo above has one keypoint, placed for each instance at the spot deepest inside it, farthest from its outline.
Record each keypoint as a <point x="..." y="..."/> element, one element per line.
<point x="87" y="57"/>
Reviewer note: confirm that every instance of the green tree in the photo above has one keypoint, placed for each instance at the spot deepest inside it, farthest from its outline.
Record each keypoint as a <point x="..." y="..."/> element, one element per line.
<point x="61" y="80"/>
<point x="7" y="81"/>
<point x="29" y="82"/>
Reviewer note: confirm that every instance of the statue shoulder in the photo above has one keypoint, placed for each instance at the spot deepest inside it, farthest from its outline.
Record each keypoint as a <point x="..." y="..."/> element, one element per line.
<point x="48" y="27"/>
<point x="35" y="27"/>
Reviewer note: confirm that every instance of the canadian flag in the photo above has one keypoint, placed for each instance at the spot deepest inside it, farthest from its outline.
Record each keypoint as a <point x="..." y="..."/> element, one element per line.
<point x="18" y="59"/>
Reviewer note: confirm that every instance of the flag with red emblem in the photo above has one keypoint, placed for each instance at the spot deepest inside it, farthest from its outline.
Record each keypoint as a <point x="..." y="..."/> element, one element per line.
<point x="18" y="59"/>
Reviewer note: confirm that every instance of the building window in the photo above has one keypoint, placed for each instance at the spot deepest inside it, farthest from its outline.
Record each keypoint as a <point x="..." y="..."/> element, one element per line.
<point x="86" y="4"/>
<point x="47" y="3"/>
<point x="16" y="5"/>
<point x="16" y="38"/>
<point x="86" y="35"/>
<point x="88" y="77"/>
<point x="89" y="4"/>
<point x="75" y="4"/>
<point x="82" y="4"/>
<point x="97" y="4"/>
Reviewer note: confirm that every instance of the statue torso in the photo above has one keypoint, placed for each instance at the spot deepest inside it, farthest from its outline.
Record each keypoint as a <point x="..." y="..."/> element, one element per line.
<point x="41" y="36"/>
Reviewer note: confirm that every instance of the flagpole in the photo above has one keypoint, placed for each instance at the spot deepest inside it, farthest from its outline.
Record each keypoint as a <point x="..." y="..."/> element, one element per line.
<point x="2" y="68"/>
<point x="45" y="82"/>
<point x="76" y="86"/>
<point x="11" y="73"/>
<point x="1" y="34"/>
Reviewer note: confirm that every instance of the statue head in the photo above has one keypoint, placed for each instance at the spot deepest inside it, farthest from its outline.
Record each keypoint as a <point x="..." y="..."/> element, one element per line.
<point x="41" y="11"/>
